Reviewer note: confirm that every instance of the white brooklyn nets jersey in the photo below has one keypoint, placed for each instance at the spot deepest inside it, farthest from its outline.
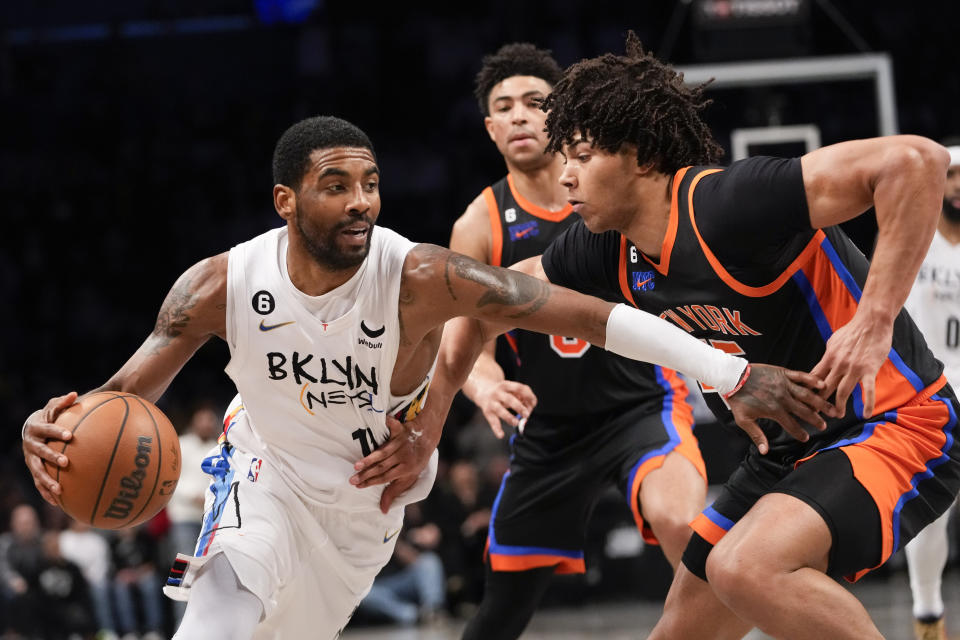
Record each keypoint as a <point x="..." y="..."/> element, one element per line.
<point x="934" y="304"/>
<point x="314" y="372"/>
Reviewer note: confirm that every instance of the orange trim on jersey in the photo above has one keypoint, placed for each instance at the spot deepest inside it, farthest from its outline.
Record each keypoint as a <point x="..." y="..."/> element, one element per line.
<point x="496" y="229"/>
<point x="682" y="418"/>
<point x="622" y="271"/>
<point x="733" y="283"/>
<point x="534" y="210"/>
<point x="892" y="389"/>
<point x="561" y="564"/>
<point x="708" y="529"/>
<point x="663" y="265"/>
<point x="499" y="562"/>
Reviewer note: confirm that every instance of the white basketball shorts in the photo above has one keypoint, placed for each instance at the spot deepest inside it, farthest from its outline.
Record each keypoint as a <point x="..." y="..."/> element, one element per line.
<point x="309" y="565"/>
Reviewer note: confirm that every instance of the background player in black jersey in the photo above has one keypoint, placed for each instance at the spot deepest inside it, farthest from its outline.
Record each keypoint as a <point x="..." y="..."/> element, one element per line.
<point x="746" y="258"/>
<point x="600" y="419"/>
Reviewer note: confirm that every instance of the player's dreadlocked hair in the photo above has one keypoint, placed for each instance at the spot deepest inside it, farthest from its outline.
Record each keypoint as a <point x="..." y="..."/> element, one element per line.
<point x="517" y="59"/>
<point x="633" y="99"/>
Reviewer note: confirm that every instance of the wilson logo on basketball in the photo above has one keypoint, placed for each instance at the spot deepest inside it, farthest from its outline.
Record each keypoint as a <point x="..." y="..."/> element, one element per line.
<point x="130" y="484"/>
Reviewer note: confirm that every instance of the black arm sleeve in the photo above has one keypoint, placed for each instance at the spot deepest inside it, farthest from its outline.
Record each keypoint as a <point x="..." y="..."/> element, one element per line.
<point x="584" y="261"/>
<point x="754" y="211"/>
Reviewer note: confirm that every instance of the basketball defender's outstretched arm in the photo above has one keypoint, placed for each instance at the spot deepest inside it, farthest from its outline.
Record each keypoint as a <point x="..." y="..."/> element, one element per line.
<point x="194" y="310"/>
<point x="493" y="299"/>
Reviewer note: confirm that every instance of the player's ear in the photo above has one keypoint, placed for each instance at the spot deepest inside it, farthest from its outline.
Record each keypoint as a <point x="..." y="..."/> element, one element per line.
<point x="646" y="168"/>
<point x="284" y="201"/>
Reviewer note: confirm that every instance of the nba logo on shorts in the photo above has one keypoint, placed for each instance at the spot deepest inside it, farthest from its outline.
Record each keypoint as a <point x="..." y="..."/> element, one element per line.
<point x="254" y="471"/>
<point x="642" y="280"/>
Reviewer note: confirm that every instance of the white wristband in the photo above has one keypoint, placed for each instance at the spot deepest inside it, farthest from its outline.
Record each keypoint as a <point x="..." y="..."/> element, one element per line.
<point x="641" y="336"/>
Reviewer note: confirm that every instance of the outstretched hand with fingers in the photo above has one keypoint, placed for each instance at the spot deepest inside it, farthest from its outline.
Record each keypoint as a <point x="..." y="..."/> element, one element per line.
<point x="508" y="401"/>
<point x="782" y="395"/>
<point x="38" y="431"/>
<point x="855" y="352"/>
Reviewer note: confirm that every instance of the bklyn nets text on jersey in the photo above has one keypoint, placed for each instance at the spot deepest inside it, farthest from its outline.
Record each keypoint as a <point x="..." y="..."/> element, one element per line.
<point x="342" y="381"/>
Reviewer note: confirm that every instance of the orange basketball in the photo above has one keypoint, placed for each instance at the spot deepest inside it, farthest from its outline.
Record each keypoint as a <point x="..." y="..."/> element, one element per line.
<point x="124" y="460"/>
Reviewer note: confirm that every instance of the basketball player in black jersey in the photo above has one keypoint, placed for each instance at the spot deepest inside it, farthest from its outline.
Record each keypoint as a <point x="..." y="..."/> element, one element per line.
<point x="600" y="419"/>
<point x="747" y="258"/>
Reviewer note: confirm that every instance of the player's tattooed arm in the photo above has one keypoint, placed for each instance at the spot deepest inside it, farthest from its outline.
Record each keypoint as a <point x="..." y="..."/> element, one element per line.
<point x="500" y="287"/>
<point x="173" y="317"/>
<point x="194" y="310"/>
<point x="439" y="284"/>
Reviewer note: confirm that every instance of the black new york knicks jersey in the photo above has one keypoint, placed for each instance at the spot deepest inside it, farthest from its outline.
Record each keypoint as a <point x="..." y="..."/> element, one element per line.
<point x="569" y="375"/>
<point x="741" y="268"/>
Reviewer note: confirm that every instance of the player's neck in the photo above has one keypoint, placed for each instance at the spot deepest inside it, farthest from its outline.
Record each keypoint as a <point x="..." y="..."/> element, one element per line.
<point x="309" y="276"/>
<point x="949" y="229"/>
<point x="541" y="185"/>
<point x="647" y="227"/>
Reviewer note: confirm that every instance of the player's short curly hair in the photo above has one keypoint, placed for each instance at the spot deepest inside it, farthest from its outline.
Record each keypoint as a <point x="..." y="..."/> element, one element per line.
<point x="291" y="156"/>
<point x="517" y="59"/>
<point x="635" y="98"/>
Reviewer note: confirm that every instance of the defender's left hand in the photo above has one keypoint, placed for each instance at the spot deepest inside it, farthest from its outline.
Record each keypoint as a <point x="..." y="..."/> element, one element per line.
<point x="855" y="352"/>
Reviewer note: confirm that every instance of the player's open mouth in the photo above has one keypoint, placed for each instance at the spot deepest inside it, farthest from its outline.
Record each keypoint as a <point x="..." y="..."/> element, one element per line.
<point x="356" y="233"/>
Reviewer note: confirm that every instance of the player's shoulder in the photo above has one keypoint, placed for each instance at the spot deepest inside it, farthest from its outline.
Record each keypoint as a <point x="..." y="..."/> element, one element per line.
<point x="210" y="269"/>
<point x="476" y="213"/>
<point x="757" y="182"/>
<point x="755" y="169"/>
<point x="472" y="232"/>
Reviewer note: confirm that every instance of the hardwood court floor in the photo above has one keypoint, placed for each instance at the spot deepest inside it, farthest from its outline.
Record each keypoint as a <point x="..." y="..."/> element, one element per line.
<point x="887" y="599"/>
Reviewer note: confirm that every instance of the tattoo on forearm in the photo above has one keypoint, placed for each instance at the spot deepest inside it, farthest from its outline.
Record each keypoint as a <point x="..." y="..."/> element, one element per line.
<point x="446" y="276"/>
<point x="508" y="288"/>
<point x="173" y="317"/>
<point x="543" y="294"/>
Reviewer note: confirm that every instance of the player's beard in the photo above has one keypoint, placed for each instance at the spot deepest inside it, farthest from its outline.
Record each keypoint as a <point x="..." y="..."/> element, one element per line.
<point x="323" y="246"/>
<point x="951" y="212"/>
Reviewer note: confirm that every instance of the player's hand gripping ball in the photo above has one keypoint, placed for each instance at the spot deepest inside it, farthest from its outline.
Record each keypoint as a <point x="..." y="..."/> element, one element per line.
<point x="124" y="460"/>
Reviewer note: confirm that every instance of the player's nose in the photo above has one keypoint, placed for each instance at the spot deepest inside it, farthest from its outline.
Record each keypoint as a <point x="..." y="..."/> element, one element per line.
<point x="359" y="201"/>
<point x="518" y="114"/>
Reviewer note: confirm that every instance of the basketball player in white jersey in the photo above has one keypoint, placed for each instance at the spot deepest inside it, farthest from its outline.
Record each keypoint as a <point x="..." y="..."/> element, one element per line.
<point x="333" y="325"/>
<point x="934" y="305"/>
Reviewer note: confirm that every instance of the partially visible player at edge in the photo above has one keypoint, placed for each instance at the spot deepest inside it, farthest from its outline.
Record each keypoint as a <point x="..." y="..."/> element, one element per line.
<point x="600" y="419"/>
<point x="934" y="304"/>
<point x="332" y="325"/>
<point x="747" y="257"/>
